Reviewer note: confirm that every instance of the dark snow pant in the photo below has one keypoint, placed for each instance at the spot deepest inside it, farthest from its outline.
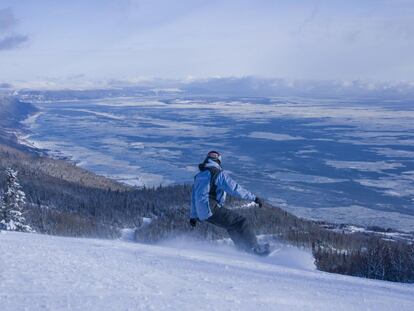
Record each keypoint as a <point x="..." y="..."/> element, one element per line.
<point x="236" y="225"/>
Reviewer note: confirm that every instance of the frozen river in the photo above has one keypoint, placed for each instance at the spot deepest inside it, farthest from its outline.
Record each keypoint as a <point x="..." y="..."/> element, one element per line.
<point x="341" y="161"/>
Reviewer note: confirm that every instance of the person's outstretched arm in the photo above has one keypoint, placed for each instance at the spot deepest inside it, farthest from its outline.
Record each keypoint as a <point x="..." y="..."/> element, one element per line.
<point x="230" y="186"/>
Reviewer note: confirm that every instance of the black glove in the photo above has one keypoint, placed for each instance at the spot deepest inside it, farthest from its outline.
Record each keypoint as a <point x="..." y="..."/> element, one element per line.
<point x="259" y="202"/>
<point x="193" y="222"/>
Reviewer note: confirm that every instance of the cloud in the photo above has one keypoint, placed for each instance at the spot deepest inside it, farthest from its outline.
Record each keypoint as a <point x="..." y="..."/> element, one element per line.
<point x="11" y="42"/>
<point x="7" y="19"/>
<point x="8" y="38"/>
<point x="140" y="13"/>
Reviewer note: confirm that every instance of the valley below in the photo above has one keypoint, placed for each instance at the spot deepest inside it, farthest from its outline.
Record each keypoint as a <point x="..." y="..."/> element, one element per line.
<point x="331" y="160"/>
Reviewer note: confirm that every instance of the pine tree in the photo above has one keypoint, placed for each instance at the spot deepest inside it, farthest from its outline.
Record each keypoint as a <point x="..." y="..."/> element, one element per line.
<point x="12" y="205"/>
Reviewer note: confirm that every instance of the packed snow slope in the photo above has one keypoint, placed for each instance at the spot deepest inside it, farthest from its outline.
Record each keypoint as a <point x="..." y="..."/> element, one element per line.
<point x="39" y="272"/>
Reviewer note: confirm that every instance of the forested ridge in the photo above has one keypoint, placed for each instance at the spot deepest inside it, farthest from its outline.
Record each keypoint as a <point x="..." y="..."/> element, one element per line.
<point x="64" y="199"/>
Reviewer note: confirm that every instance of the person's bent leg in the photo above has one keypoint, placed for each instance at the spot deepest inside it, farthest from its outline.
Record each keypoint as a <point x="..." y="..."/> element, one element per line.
<point x="237" y="227"/>
<point x="241" y="232"/>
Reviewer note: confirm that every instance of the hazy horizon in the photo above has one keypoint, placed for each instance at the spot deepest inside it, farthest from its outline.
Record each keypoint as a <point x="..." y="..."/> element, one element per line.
<point x="77" y="41"/>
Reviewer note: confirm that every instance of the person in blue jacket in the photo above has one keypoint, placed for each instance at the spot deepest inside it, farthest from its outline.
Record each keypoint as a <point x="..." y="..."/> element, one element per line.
<point x="211" y="185"/>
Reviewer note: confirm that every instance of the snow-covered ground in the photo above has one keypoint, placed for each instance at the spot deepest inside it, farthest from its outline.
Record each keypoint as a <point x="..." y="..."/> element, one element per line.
<point x="39" y="272"/>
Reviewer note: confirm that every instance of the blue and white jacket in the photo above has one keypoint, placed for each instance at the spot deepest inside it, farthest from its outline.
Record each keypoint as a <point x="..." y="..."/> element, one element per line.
<point x="200" y="205"/>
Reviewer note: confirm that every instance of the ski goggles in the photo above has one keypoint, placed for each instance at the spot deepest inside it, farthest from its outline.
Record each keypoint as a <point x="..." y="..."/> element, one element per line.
<point x="214" y="155"/>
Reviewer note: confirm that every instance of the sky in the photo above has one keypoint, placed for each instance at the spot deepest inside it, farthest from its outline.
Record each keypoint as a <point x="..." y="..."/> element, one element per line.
<point x="44" y="40"/>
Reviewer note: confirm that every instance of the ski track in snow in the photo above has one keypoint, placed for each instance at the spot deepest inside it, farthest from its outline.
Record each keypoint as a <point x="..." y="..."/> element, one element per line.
<point x="39" y="272"/>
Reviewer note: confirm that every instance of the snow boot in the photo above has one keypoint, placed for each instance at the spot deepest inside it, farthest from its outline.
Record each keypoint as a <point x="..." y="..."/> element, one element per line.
<point x="261" y="249"/>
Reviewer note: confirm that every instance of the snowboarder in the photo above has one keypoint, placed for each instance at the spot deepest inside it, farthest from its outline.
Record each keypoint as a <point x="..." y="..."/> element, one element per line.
<point x="209" y="191"/>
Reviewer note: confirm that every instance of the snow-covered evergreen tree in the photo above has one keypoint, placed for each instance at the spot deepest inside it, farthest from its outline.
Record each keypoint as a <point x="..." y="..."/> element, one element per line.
<point x="12" y="205"/>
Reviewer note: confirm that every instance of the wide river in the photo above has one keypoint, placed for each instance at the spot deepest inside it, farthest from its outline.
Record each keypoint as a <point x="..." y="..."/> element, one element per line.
<point x="341" y="161"/>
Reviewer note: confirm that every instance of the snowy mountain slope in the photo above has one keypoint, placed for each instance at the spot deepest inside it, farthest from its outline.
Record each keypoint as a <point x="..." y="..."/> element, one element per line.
<point x="39" y="272"/>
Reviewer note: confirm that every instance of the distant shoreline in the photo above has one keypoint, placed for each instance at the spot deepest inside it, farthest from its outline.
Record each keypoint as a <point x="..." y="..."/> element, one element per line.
<point x="23" y="134"/>
<point x="13" y="139"/>
<point x="22" y="140"/>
